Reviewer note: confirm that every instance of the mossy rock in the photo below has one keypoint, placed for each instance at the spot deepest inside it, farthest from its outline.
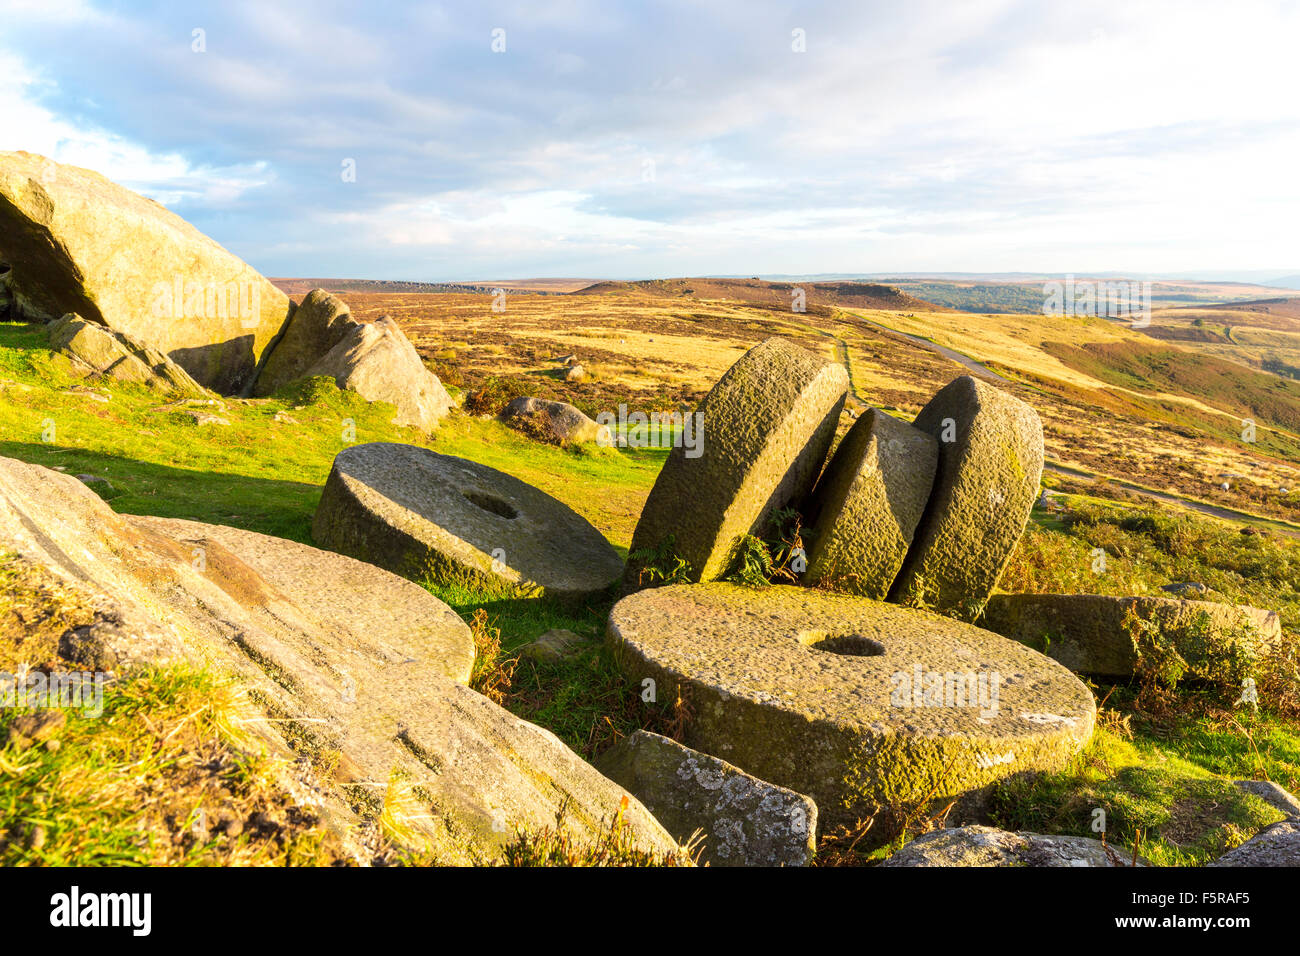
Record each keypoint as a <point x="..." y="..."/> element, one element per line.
<point x="857" y="703"/>
<point x="1094" y="634"/>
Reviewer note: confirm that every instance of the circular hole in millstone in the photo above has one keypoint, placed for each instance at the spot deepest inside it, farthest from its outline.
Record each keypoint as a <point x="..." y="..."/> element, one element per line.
<point x="847" y="645"/>
<point x="490" y="503"/>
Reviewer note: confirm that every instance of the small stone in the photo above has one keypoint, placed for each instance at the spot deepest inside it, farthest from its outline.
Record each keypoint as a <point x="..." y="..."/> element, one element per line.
<point x="745" y="821"/>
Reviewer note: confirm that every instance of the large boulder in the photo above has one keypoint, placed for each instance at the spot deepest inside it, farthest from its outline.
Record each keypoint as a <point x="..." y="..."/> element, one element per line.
<point x="868" y="503"/>
<point x="855" y="702"/>
<point x="79" y="243"/>
<point x="990" y="465"/>
<point x="1278" y="845"/>
<point x="1088" y="634"/>
<point x="768" y="424"/>
<point x="432" y="517"/>
<point x="355" y="668"/>
<point x="380" y="364"/>
<point x="744" y="821"/>
<point x="318" y="324"/>
<point x="986" y="846"/>
<point x="100" y="351"/>
<point x="559" y="422"/>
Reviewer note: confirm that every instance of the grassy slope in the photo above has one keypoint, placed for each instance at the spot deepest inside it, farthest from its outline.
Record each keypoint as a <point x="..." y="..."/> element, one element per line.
<point x="265" y="475"/>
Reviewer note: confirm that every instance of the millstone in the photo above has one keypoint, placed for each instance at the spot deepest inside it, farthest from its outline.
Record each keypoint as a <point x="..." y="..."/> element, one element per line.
<point x="868" y="503"/>
<point x="990" y="465"/>
<point x="1087" y="633"/>
<point x="854" y="702"/>
<point x="768" y="424"/>
<point x="436" y="517"/>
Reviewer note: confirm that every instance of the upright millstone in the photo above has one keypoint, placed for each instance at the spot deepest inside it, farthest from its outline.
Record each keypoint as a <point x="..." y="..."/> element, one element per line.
<point x="867" y="504"/>
<point x="767" y="426"/>
<point x="990" y="465"/>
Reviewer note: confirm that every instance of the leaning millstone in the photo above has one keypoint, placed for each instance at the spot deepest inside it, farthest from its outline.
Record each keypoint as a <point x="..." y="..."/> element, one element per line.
<point x="745" y="821"/>
<point x="432" y="517"/>
<point x="868" y="503"/>
<point x="1278" y="845"/>
<point x="79" y="243"/>
<point x="990" y="464"/>
<point x="986" y="846"/>
<point x="1087" y="632"/>
<point x="96" y="350"/>
<point x="768" y="424"/>
<point x="855" y="702"/>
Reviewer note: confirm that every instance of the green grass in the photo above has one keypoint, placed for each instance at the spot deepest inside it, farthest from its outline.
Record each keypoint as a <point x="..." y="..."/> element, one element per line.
<point x="265" y="475"/>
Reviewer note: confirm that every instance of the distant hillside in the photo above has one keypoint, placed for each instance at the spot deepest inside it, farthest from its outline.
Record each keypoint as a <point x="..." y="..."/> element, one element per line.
<point x="819" y="296"/>
<point x="1282" y="314"/>
<point x="535" y="286"/>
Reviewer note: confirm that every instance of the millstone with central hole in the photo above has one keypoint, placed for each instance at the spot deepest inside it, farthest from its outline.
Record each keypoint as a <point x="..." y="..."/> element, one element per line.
<point x="438" y="518"/>
<point x="857" y="703"/>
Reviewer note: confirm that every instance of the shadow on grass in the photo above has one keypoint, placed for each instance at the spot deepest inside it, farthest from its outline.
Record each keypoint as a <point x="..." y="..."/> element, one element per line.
<point x="275" y="507"/>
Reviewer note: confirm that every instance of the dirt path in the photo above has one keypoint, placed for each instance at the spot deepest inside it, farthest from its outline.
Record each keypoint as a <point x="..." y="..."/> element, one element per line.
<point x="965" y="361"/>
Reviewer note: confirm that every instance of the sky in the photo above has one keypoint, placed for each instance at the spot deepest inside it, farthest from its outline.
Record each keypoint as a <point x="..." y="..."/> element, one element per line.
<point x="480" y="140"/>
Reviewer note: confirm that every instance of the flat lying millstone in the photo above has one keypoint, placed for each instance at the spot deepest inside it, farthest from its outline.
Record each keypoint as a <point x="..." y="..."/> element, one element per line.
<point x="868" y="503"/>
<point x="434" y="517"/>
<point x="990" y="464"/>
<point x="767" y="426"/>
<point x="986" y="846"/>
<point x="1086" y="632"/>
<point x="745" y="821"/>
<point x="854" y="702"/>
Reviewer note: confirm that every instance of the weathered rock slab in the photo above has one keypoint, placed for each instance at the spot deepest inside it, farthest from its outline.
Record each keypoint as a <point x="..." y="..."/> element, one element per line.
<point x="856" y="703"/>
<point x="435" y="517"/>
<point x="868" y="503"/>
<point x="345" y="658"/>
<point x="1278" y="845"/>
<point x="745" y="821"/>
<point x="990" y="465"/>
<point x="100" y="351"/>
<point x="987" y="846"/>
<point x="79" y="243"/>
<point x="1086" y="632"/>
<point x="768" y="424"/>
